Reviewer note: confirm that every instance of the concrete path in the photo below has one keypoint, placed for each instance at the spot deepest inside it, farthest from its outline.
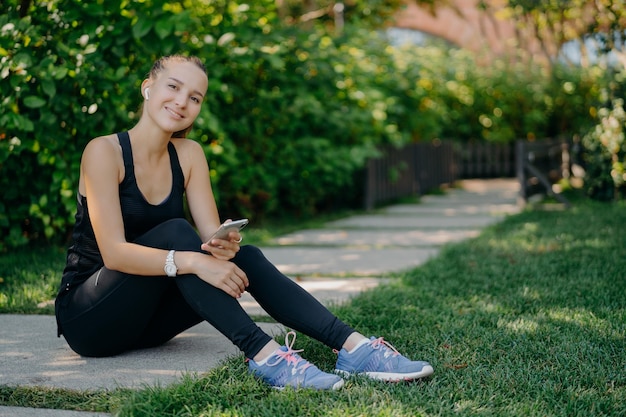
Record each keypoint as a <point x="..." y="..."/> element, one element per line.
<point x="334" y="263"/>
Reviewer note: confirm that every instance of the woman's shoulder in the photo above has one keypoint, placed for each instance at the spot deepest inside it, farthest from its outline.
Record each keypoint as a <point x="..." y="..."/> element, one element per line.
<point x="102" y="143"/>
<point x="186" y="144"/>
<point x="190" y="154"/>
<point x="187" y="148"/>
<point x="103" y="148"/>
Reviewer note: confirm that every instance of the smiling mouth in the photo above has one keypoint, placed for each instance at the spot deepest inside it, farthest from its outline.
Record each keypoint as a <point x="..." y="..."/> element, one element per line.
<point x="175" y="114"/>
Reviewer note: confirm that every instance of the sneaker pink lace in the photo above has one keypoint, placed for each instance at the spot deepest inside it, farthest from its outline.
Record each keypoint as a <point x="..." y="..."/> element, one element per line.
<point x="285" y="368"/>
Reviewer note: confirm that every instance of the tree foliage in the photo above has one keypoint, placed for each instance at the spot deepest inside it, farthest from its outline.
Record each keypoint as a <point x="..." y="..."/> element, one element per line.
<point x="557" y="22"/>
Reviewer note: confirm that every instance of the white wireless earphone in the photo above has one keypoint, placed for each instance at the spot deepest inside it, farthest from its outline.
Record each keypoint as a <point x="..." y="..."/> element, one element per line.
<point x="146" y="93"/>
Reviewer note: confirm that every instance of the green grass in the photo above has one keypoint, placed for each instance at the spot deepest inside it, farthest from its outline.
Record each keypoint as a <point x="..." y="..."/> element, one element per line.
<point x="528" y="319"/>
<point x="29" y="280"/>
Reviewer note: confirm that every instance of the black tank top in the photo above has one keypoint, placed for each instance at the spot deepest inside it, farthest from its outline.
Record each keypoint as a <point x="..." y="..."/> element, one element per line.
<point x="83" y="256"/>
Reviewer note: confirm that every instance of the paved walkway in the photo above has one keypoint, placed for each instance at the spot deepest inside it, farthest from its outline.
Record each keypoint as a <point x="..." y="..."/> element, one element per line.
<point x="334" y="263"/>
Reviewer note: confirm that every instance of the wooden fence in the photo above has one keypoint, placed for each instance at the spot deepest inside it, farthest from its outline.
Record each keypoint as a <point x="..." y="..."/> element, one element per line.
<point x="418" y="168"/>
<point x="412" y="170"/>
<point x="486" y="160"/>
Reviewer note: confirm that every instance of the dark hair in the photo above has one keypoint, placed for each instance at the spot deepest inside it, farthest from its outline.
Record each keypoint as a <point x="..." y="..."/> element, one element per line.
<point x="161" y="63"/>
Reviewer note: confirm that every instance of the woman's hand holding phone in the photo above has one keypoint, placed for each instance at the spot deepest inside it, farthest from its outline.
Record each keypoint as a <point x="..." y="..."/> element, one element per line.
<point x="224" y="243"/>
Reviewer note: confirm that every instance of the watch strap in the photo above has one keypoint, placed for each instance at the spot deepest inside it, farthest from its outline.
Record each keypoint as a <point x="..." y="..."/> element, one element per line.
<point x="170" y="267"/>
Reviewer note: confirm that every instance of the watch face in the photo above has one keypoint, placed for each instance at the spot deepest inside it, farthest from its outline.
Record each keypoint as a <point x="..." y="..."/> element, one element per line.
<point x="170" y="270"/>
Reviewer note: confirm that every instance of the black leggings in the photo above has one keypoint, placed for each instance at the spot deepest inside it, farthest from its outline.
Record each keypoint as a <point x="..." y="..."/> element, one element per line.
<point x="113" y="312"/>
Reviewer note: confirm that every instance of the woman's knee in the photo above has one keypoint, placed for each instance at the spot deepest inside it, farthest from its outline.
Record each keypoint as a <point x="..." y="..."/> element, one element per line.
<point x="256" y="266"/>
<point x="177" y="227"/>
<point x="174" y="233"/>
<point x="249" y="255"/>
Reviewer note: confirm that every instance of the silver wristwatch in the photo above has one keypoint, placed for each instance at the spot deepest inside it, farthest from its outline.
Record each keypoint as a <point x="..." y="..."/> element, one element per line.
<point x="170" y="266"/>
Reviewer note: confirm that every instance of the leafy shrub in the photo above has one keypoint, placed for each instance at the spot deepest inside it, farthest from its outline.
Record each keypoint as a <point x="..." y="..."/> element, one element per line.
<point x="605" y="153"/>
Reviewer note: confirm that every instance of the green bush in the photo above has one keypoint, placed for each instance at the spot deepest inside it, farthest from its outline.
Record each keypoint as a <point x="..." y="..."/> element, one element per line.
<point x="289" y="139"/>
<point x="605" y="154"/>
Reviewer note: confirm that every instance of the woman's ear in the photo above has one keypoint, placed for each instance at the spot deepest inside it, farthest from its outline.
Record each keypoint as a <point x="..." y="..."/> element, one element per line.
<point x="145" y="89"/>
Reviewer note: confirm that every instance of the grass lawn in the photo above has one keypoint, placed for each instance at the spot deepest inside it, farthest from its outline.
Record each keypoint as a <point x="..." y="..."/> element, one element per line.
<point x="528" y="319"/>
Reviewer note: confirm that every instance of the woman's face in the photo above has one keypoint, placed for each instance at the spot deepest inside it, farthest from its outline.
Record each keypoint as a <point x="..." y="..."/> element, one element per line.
<point x="175" y="96"/>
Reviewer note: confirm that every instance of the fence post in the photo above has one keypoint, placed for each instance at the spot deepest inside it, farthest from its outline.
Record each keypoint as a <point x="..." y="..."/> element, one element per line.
<point x="369" y="184"/>
<point x="536" y="165"/>
<point x="520" y="155"/>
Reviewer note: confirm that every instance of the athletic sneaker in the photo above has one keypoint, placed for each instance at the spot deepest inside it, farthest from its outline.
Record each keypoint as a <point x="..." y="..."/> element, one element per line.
<point x="285" y="368"/>
<point x="379" y="360"/>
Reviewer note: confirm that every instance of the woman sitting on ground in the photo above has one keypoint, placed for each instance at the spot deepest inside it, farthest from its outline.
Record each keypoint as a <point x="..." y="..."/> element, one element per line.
<point x="138" y="273"/>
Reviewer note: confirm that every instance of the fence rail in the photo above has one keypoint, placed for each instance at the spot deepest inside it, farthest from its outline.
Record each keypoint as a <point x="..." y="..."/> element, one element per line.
<point x="418" y="168"/>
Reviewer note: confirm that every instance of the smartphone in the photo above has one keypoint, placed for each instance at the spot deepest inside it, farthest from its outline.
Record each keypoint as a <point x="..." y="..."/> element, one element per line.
<point x="225" y="228"/>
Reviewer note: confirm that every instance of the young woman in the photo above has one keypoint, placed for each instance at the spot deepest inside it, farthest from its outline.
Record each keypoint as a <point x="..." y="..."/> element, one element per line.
<point x="138" y="273"/>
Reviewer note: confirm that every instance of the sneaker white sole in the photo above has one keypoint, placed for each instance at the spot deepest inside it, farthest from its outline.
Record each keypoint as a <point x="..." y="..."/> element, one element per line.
<point x="337" y="385"/>
<point x="427" y="370"/>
